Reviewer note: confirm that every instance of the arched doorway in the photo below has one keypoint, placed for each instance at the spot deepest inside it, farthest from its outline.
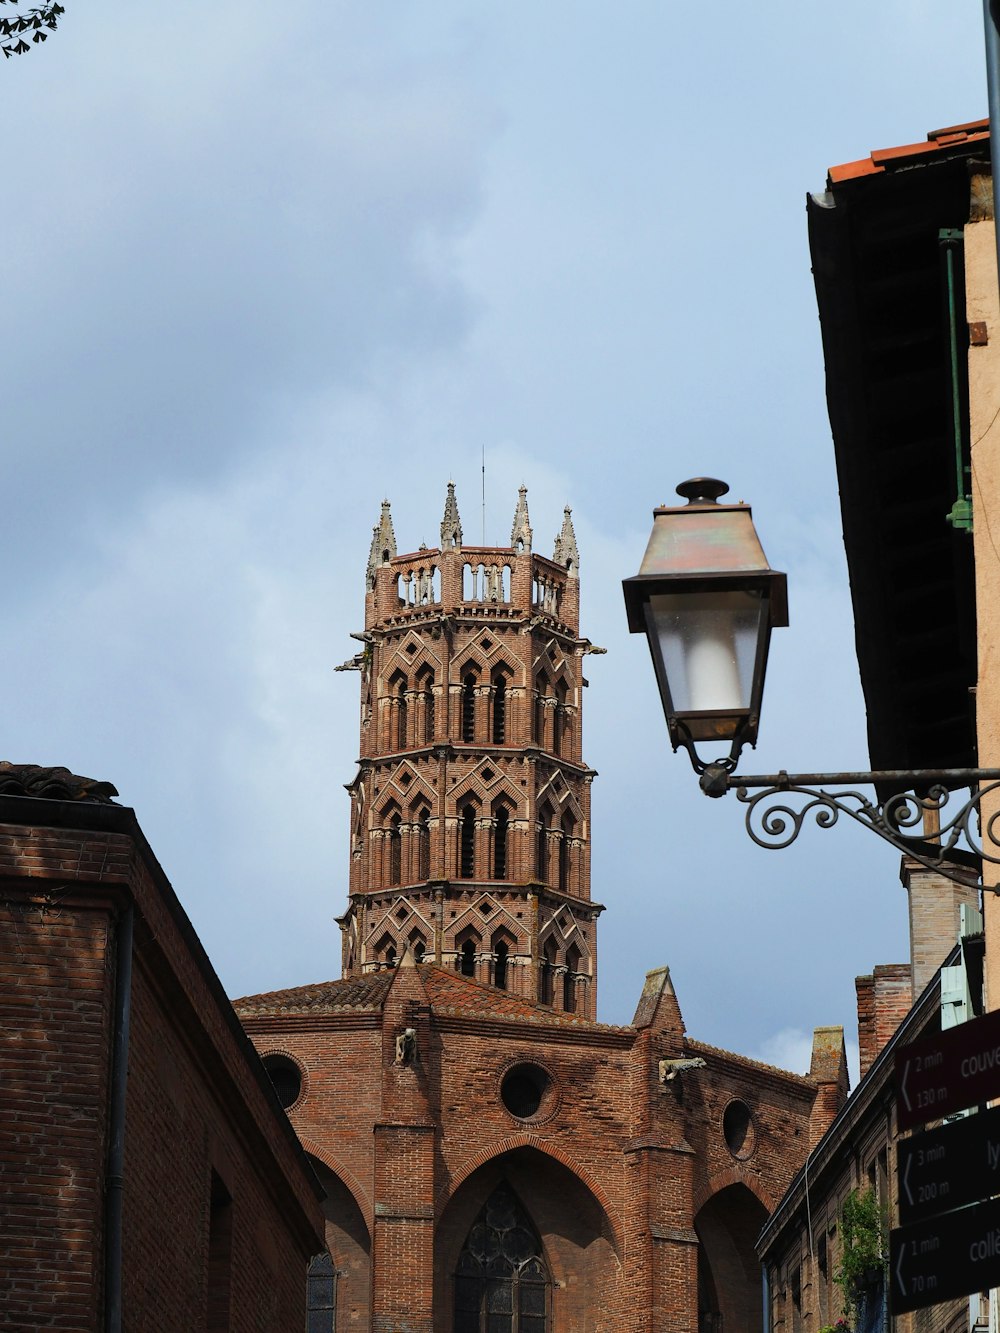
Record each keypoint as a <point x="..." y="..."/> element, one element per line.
<point x="729" y="1299"/>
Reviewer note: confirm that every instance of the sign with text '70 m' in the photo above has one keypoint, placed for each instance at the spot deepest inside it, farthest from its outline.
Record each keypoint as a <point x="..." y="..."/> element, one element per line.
<point x="948" y="1256"/>
<point x="948" y="1072"/>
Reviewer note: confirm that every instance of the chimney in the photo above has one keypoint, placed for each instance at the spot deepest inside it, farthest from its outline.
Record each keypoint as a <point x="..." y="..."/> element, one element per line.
<point x="828" y="1069"/>
<point x="884" y="1000"/>
<point x="935" y="904"/>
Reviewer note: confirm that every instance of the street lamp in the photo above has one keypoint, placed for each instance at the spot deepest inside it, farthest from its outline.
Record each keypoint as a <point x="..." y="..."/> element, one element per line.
<point x="707" y="600"/>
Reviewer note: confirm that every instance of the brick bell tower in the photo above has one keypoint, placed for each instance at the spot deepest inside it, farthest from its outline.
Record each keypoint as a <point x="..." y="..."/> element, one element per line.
<point x="470" y="811"/>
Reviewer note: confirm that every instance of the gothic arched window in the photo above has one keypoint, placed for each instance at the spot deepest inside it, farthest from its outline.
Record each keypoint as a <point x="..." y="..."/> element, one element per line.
<point x="467" y="963"/>
<point x="395" y="850"/>
<point x="568" y="828"/>
<point x="467" y="862"/>
<point x="423" y="831"/>
<point x="501" y="953"/>
<point x="501" y="1280"/>
<point x="499" y="709"/>
<point x="321" y="1294"/>
<point x="400" y="699"/>
<point x="538" y="725"/>
<point x="469" y="707"/>
<point x="500" y="831"/>
<point x="569" y="979"/>
<point x="547" y="974"/>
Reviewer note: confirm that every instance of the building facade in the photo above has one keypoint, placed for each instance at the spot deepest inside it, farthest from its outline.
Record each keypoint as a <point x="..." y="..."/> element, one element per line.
<point x="903" y="252"/>
<point x="150" y="1178"/>
<point x="494" y="1158"/>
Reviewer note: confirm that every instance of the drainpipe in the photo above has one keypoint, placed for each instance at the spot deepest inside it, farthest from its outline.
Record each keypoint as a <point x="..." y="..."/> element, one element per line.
<point x="765" y="1283"/>
<point x="991" y="9"/>
<point x="115" y="1179"/>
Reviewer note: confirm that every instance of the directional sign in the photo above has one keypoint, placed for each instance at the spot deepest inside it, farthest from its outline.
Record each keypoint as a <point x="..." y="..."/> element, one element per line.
<point x="949" y="1256"/>
<point x="948" y="1071"/>
<point x="949" y="1167"/>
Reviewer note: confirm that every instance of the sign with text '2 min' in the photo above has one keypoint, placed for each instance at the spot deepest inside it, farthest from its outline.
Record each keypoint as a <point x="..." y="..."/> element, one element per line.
<point x="948" y="1072"/>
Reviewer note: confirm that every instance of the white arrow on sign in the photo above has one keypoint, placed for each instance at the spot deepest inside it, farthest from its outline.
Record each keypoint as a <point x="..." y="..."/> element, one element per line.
<point x="902" y="1085"/>
<point x="899" y="1270"/>
<point x="906" y="1179"/>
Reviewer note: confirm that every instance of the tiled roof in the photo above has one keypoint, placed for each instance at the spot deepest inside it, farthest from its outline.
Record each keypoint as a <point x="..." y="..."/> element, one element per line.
<point x="323" y="997"/>
<point x="448" y="993"/>
<point x="885" y="159"/>
<point x="451" y="993"/>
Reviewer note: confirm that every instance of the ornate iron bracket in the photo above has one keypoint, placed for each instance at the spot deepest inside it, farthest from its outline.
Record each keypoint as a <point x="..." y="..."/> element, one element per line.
<point x="960" y="848"/>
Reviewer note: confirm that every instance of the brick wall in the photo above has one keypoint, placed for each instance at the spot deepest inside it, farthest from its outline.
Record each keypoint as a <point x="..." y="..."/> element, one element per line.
<point x="198" y="1106"/>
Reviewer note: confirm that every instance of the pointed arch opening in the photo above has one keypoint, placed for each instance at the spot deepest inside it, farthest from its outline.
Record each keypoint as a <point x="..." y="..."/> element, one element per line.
<point x="467" y="958"/>
<point x="499" y="679"/>
<point x="728" y="1270"/>
<point x="399" y="727"/>
<point x="395" y="849"/>
<point x="547" y="973"/>
<point x="342" y="1273"/>
<point x="576" y="1242"/>
<point x="542" y="844"/>
<point x="570" y="979"/>
<point x="502" y="1283"/>
<point x="422" y="834"/>
<point x="501" y="841"/>
<point x="467" y="842"/>
<point x="425" y="694"/>
<point x="469" y="684"/>
<point x="568" y="828"/>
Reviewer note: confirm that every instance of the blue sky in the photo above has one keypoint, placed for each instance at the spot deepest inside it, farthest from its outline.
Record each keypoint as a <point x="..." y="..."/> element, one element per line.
<point x="266" y="266"/>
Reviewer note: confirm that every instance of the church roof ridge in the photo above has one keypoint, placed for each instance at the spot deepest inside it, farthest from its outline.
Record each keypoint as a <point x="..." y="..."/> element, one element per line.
<point x="702" y="1047"/>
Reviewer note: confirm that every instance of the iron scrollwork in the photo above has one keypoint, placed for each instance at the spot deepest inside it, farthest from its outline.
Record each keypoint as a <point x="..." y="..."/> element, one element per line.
<point x="950" y="840"/>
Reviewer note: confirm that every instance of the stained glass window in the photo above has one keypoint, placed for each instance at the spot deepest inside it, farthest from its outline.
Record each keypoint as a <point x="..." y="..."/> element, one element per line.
<point x="501" y="1282"/>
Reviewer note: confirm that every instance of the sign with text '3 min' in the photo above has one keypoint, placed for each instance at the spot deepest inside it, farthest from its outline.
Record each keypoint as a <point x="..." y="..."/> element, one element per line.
<point x="948" y="1072"/>
<point x="949" y="1167"/>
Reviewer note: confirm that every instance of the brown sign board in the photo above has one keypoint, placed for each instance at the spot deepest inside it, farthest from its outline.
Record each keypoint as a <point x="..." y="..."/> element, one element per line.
<point x="948" y="1071"/>
<point x="953" y="1255"/>
<point x="949" y="1167"/>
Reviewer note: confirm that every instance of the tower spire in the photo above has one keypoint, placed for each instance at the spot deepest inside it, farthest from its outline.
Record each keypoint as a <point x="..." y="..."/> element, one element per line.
<point x="383" y="547"/>
<point x="451" y="524"/>
<point x="520" y="533"/>
<point x="565" y="551"/>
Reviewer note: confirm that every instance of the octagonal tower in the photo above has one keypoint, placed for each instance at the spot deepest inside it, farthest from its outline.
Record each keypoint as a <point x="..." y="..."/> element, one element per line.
<point x="470" y="811"/>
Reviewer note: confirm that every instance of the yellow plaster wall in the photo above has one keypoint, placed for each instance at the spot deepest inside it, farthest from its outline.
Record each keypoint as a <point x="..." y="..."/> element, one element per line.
<point x="983" y="305"/>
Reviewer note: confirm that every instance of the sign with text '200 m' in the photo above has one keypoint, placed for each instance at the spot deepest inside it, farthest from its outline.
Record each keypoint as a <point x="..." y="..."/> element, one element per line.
<point x="948" y="1072"/>
<point x="946" y="1168"/>
<point x="948" y="1256"/>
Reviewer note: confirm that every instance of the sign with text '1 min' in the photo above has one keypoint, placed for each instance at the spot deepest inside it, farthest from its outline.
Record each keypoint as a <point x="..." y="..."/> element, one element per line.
<point x="948" y="1256"/>
<point x="949" y="1167"/>
<point x="948" y="1072"/>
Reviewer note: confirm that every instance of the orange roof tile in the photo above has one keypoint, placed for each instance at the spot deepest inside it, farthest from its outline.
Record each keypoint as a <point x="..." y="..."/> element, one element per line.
<point x="882" y="158"/>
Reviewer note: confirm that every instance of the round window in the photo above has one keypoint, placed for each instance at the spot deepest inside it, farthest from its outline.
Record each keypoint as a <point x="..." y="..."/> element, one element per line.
<point x="739" y="1130"/>
<point x="527" y="1091"/>
<point x="286" y="1077"/>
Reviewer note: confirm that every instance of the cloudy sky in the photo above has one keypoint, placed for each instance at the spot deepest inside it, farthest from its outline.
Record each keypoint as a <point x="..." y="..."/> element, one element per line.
<point x="266" y="265"/>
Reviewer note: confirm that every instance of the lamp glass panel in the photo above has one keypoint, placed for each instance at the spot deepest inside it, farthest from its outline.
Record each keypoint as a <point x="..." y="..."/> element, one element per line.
<point x="707" y="644"/>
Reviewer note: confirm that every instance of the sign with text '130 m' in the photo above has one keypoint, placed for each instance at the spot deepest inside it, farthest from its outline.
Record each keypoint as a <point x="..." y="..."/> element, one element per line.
<point x="948" y="1256"/>
<point x="948" y="1072"/>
